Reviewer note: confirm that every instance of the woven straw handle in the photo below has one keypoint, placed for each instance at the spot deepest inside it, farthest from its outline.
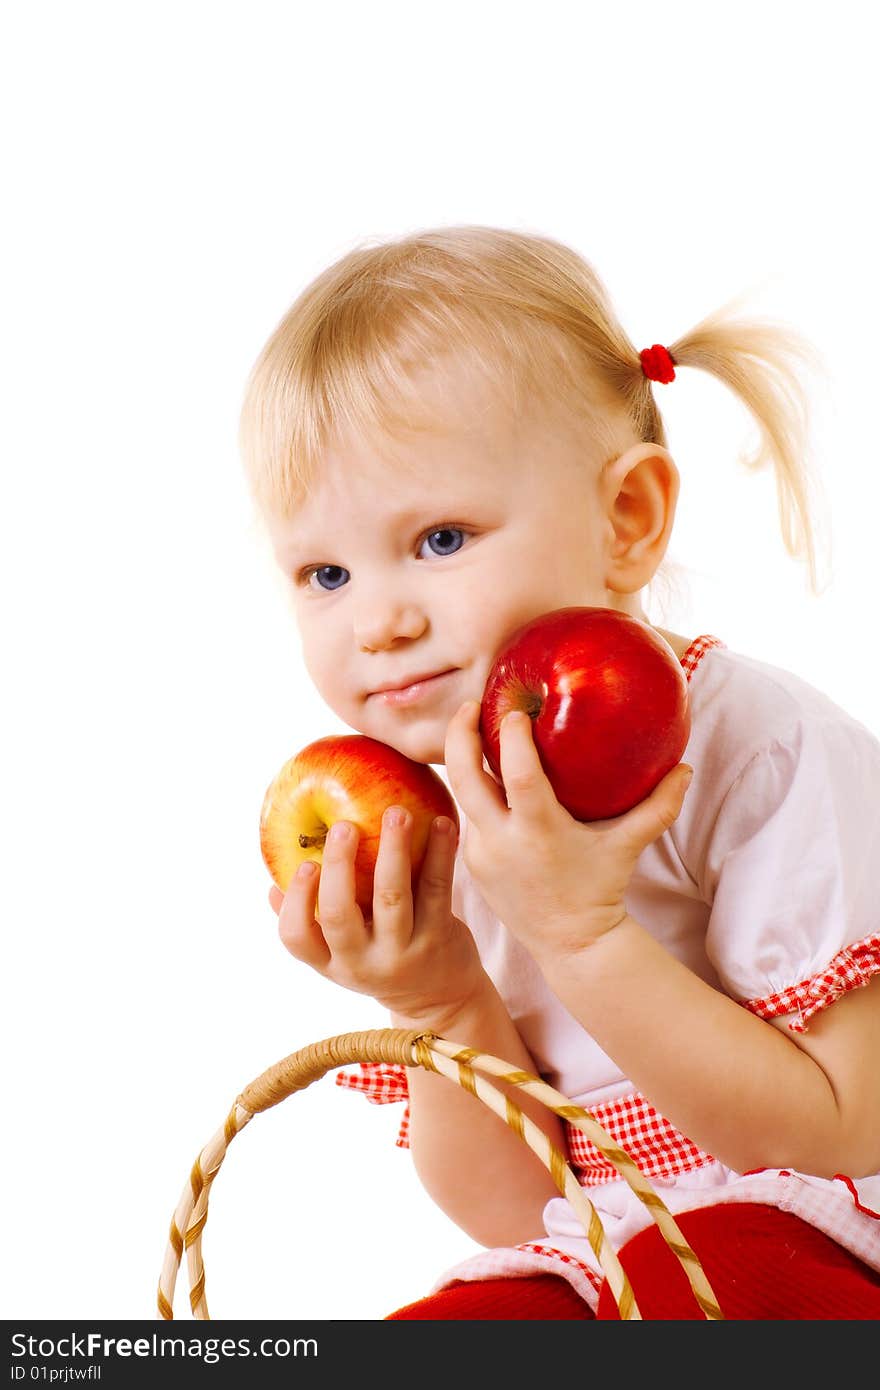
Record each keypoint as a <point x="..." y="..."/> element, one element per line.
<point x="469" y="1069"/>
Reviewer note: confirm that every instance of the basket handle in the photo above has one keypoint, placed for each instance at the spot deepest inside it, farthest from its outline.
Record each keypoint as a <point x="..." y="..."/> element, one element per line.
<point x="469" y="1069"/>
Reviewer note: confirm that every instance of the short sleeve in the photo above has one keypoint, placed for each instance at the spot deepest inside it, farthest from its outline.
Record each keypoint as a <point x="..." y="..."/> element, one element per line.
<point x="792" y="872"/>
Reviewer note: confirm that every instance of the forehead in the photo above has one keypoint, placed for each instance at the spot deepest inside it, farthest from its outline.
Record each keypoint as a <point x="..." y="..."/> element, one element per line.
<point x="461" y="442"/>
<point x="451" y="406"/>
<point x="453" y="429"/>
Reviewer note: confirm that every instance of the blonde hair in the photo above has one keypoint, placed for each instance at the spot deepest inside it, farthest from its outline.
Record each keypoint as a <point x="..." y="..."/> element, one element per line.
<point x="532" y="315"/>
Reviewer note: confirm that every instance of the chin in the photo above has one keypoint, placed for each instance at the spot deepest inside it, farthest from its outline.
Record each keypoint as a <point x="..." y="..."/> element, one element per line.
<point x="421" y="750"/>
<point x="426" y="745"/>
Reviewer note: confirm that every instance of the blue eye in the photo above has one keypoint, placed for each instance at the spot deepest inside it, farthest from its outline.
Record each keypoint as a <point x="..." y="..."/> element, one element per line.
<point x="329" y="577"/>
<point x="444" y="541"/>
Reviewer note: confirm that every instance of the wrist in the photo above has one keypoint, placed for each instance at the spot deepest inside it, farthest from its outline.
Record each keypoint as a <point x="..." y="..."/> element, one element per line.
<point x="595" y="944"/>
<point x="457" y="1019"/>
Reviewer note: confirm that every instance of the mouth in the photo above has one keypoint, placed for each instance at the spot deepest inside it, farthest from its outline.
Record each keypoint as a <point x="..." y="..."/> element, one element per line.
<point x="418" y="688"/>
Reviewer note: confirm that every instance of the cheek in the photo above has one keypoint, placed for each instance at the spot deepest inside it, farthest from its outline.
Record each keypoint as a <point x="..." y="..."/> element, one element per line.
<point x="325" y="665"/>
<point x="498" y="615"/>
<point x="556" y="576"/>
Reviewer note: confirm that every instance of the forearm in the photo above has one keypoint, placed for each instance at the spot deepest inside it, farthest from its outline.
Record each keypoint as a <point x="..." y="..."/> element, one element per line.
<point x="731" y="1082"/>
<point x="472" y="1164"/>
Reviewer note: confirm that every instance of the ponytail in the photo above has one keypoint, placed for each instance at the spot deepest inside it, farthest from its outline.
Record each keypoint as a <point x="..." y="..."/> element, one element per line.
<point x="764" y="365"/>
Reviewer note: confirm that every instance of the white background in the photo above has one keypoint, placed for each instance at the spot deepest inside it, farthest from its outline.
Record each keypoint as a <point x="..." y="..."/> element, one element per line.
<point x="173" y="176"/>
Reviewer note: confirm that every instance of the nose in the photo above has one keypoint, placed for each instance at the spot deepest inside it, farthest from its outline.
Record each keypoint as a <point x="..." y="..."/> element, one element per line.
<point x="382" y="621"/>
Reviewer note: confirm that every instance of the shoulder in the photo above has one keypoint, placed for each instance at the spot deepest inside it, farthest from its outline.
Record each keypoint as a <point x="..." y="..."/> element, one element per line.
<point x="743" y="709"/>
<point x="778" y="766"/>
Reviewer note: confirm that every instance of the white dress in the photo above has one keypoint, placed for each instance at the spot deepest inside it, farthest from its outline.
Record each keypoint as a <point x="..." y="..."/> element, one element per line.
<point x="766" y="886"/>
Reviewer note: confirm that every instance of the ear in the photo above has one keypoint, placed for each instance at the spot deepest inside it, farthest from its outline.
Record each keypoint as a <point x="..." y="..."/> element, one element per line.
<point x="640" y="494"/>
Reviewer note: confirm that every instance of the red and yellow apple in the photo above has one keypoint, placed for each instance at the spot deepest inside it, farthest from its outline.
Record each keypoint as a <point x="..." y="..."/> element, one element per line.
<point x="608" y="700"/>
<point x="353" y="778"/>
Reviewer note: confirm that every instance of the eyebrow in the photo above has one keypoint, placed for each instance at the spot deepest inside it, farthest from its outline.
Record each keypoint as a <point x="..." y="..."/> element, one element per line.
<point x="409" y="515"/>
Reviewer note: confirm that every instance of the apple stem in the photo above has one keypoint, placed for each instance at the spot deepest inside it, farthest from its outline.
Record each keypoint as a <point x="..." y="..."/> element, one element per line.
<point x="310" y="841"/>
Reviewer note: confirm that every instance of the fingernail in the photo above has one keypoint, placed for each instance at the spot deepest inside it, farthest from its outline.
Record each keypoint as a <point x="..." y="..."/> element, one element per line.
<point x="396" y="815"/>
<point x="443" y="826"/>
<point x="339" y="832"/>
<point x="514" y="716"/>
<point x="307" y="869"/>
<point x="688" y="776"/>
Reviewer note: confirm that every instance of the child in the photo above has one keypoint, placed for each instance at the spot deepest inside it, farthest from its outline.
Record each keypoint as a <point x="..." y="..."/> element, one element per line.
<point x="446" y="436"/>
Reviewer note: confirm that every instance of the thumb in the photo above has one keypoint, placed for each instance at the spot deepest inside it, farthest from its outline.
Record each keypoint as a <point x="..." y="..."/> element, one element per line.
<point x="646" y="822"/>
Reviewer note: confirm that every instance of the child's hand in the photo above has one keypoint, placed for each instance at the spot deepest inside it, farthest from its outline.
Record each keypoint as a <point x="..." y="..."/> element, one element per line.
<point x="414" y="957"/>
<point x="558" y="884"/>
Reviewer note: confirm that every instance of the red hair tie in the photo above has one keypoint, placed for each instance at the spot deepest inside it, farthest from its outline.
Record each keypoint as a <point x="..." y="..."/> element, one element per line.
<point x="658" y="364"/>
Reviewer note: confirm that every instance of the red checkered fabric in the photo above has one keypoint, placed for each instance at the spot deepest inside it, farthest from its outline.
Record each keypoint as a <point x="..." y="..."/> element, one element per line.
<point x="380" y="1081"/>
<point x="697" y="650"/>
<point x="563" y="1257"/>
<point x="852" y="967"/>
<point x="660" y="1150"/>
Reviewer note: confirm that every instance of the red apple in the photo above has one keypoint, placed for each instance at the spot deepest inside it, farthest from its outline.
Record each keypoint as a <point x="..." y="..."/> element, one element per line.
<point x="608" y="700"/>
<point x="353" y="778"/>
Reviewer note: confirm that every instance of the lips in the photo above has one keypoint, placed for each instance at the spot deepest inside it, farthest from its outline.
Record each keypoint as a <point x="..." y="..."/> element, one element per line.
<point x="409" y="680"/>
<point x="414" y="688"/>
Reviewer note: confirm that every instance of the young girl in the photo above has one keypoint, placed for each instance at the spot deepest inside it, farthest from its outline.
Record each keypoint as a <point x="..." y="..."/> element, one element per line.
<point x="446" y="436"/>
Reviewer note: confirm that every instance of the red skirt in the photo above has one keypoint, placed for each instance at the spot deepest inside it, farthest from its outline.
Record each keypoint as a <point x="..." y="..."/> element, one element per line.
<point x="762" y="1263"/>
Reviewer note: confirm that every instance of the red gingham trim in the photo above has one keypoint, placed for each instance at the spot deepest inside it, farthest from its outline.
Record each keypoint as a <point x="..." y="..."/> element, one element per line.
<point x="381" y="1082"/>
<point x="697" y="650"/>
<point x="659" y="1149"/>
<point x="851" y="968"/>
<point x="596" y="1279"/>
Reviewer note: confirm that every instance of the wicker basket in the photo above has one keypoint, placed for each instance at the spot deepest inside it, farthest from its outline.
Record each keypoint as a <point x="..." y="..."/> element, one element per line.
<point x="471" y="1070"/>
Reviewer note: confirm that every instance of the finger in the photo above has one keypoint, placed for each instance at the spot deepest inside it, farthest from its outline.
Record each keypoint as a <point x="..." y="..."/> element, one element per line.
<point x="392" y="878"/>
<point x="297" y="927"/>
<point x="434" y="889"/>
<point x="276" y="898"/>
<point x="528" y="791"/>
<point x="473" y="787"/>
<point x="341" y="919"/>
<point x="646" y="822"/>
